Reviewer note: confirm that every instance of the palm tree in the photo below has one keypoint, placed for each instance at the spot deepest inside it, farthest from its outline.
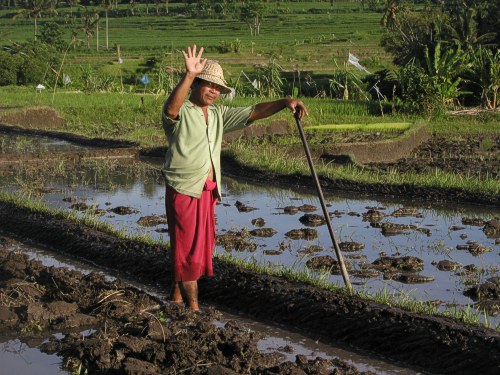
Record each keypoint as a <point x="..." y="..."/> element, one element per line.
<point x="89" y="24"/>
<point x="33" y="8"/>
<point x="107" y="5"/>
<point x="390" y="17"/>
<point x="466" y="33"/>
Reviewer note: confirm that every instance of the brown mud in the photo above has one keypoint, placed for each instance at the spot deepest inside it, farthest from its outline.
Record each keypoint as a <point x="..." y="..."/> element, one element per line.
<point x="432" y="343"/>
<point x="132" y="332"/>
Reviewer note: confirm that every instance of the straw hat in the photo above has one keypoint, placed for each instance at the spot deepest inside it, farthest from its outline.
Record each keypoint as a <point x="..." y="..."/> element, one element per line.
<point x="212" y="72"/>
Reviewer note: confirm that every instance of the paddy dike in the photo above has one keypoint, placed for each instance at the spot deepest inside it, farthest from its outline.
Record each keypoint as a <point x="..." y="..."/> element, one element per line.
<point x="432" y="343"/>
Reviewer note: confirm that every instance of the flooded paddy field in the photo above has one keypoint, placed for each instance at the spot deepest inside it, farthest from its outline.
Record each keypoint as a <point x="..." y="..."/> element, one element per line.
<point x="445" y="255"/>
<point x="447" y="250"/>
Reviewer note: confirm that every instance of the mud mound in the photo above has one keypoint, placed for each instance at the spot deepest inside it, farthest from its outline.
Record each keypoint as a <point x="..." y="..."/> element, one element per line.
<point x="40" y="118"/>
<point x="380" y="151"/>
<point x="434" y="343"/>
<point x="132" y="332"/>
<point x="471" y="155"/>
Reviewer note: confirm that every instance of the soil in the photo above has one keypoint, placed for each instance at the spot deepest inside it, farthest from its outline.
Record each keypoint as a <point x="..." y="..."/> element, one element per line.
<point x="128" y="337"/>
<point x="132" y="332"/>
<point x="434" y="343"/>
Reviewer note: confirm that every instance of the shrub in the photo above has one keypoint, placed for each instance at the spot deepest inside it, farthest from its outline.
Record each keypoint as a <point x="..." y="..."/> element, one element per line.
<point x="9" y="64"/>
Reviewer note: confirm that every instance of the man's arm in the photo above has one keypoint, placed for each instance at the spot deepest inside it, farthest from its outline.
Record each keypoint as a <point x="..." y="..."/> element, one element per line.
<point x="266" y="109"/>
<point x="194" y="65"/>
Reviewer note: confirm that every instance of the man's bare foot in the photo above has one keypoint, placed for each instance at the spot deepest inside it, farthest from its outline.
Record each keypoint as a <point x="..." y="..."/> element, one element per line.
<point x="175" y="294"/>
<point x="190" y="289"/>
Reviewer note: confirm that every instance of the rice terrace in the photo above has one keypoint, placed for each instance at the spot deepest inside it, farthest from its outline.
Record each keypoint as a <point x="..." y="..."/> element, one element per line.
<point x="362" y="239"/>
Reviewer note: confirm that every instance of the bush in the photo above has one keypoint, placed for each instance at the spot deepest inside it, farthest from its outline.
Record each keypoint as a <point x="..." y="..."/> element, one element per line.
<point x="39" y="62"/>
<point x="30" y="63"/>
<point x="9" y="64"/>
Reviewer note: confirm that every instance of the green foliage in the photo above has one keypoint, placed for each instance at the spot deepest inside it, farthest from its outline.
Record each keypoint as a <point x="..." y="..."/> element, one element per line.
<point x="346" y="85"/>
<point x="252" y="13"/>
<point x="9" y="65"/>
<point x="484" y="72"/>
<point x="32" y="63"/>
<point x="93" y="81"/>
<point x="443" y="67"/>
<point x="416" y="90"/>
<point x="50" y="33"/>
<point x="269" y="76"/>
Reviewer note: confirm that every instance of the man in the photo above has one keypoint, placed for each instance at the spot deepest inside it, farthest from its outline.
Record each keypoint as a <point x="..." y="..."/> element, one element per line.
<point x="194" y="128"/>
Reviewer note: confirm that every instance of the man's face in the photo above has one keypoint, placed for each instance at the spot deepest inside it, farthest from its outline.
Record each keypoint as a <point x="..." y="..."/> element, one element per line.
<point x="205" y="93"/>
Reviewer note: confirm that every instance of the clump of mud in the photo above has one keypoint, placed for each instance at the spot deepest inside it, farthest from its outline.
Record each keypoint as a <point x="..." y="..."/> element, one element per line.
<point x="132" y="332"/>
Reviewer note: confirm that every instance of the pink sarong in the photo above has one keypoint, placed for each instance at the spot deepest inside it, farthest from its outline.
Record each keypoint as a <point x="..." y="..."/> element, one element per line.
<point x="191" y="226"/>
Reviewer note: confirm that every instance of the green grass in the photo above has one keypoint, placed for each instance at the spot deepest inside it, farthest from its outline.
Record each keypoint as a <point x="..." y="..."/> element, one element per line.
<point x="310" y="36"/>
<point x="276" y="160"/>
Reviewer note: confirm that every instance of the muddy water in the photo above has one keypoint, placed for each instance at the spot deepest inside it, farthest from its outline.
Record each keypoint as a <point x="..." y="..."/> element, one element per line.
<point x="21" y="356"/>
<point x="440" y="228"/>
<point x="21" y="144"/>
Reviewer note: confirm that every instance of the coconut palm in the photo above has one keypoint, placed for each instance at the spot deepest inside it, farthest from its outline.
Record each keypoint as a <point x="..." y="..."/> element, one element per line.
<point x="89" y="25"/>
<point x="33" y="8"/>
<point x="106" y="5"/>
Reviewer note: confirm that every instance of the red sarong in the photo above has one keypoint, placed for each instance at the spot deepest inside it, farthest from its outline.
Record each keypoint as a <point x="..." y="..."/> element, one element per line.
<point x="191" y="226"/>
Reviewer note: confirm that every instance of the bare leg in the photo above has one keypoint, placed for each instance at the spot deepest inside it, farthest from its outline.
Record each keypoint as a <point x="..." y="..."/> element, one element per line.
<point x="175" y="293"/>
<point x="190" y="289"/>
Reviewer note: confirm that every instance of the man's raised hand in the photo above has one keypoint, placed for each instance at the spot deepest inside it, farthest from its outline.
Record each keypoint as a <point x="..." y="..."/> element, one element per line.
<point x="194" y="62"/>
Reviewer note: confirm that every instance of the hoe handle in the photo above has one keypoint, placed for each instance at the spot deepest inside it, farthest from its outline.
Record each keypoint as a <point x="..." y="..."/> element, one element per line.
<point x="333" y="236"/>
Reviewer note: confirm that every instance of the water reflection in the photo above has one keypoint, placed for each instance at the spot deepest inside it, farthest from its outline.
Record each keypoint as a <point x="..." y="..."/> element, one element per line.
<point x="19" y="357"/>
<point x="108" y="185"/>
<point x="40" y="145"/>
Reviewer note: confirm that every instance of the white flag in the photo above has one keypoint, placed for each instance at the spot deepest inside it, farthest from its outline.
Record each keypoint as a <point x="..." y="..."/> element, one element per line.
<point x="355" y="61"/>
<point x="66" y="79"/>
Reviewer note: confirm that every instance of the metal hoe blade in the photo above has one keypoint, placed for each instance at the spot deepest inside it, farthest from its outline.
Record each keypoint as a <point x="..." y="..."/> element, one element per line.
<point x="340" y="259"/>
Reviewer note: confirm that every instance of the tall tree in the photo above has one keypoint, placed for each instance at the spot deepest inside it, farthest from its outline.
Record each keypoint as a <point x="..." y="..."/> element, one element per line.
<point x="390" y="17"/>
<point x="33" y="8"/>
<point x="89" y="22"/>
<point x="106" y="5"/>
<point x="252" y="12"/>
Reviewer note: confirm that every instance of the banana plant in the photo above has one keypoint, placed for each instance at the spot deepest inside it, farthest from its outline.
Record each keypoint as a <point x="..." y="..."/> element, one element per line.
<point x="485" y="73"/>
<point x="444" y="68"/>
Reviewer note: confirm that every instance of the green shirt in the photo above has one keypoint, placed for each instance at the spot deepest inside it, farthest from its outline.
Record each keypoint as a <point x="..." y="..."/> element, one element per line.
<point x="193" y="145"/>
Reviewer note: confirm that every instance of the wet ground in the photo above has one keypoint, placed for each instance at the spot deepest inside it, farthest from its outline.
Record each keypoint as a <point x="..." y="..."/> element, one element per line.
<point x="27" y="354"/>
<point x="434" y="344"/>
